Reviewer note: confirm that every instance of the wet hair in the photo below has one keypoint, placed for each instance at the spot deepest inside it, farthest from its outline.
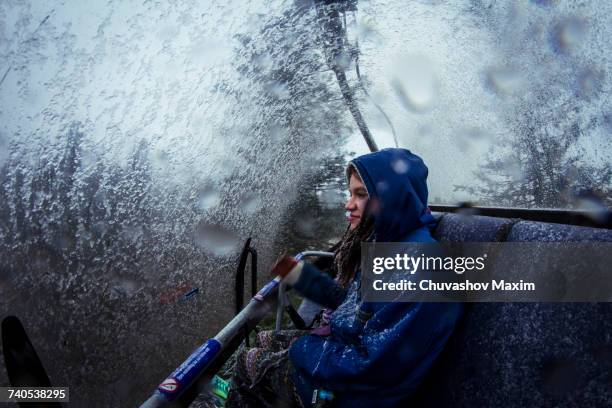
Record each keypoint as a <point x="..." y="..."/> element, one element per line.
<point x="350" y="170"/>
<point x="348" y="255"/>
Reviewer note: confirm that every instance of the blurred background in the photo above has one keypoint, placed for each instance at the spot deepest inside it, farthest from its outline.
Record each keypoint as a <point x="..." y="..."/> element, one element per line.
<point x="142" y="142"/>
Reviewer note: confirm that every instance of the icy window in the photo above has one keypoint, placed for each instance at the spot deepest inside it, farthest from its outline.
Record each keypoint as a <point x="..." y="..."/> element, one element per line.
<point x="142" y="142"/>
<point x="507" y="102"/>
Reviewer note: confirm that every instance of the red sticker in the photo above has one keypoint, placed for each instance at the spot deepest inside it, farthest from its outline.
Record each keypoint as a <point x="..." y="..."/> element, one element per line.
<point x="172" y="294"/>
<point x="169" y="385"/>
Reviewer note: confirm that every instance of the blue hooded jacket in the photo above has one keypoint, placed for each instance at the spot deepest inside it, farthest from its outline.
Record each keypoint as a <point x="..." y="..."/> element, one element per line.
<point x="379" y="361"/>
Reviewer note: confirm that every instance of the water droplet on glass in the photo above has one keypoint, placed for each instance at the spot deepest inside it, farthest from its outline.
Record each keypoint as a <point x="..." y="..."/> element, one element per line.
<point x="568" y="34"/>
<point x="426" y="133"/>
<point x="39" y="198"/>
<point x="89" y="158"/>
<point x="99" y="199"/>
<point x="278" y="90"/>
<point x="476" y="134"/>
<point x="513" y="169"/>
<point x="255" y="20"/>
<point x="330" y="197"/>
<point x="400" y="166"/>
<point x="593" y="207"/>
<point x="215" y="239"/>
<point x="250" y="203"/>
<point x="504" y="81"/>
<point x="414" y="83"/>
<point x="263" y="61"/>
<point x="379" y="96"/>
<point x="160" y="158"/>
<point x="226" y="164"/>
<point x="366" y="30"/>
<point x="590" y="82"/>
<point x="343" y="60"/>
<point x="125" y="286"/>
<point x="208" y="197"/>
<point x="306" y="225"/>
<point x="468" y="137"/>
<point x="277" y="132"/>
<point x="382" y="187"/>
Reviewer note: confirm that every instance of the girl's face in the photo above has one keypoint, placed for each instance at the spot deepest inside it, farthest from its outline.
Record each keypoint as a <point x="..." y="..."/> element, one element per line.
<point x="358" y="199"/>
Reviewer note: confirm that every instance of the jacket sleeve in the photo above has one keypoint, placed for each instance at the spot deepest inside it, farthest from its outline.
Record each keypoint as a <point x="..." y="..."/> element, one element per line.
<point x="399" y="344"/>
<point x="319" y="287"/>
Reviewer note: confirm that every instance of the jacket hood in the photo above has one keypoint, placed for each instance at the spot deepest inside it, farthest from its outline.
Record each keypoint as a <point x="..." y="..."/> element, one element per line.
<point x="396" y="180"/>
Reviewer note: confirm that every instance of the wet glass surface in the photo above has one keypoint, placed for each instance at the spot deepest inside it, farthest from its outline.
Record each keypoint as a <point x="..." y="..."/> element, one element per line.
<point x="141" y="143"/>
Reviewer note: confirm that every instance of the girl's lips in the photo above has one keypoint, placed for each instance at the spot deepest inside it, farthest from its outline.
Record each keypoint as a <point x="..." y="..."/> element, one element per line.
<point x="352" y="218"/>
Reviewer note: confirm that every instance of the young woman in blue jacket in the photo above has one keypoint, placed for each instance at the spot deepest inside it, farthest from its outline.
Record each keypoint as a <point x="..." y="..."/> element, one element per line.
<point x="364" y="354"/>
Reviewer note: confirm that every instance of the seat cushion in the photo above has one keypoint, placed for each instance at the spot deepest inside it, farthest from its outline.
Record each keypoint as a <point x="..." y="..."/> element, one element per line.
<point x="528" y="231"/>
<point x="523" y="354"/>
<point x="471" y="228"/>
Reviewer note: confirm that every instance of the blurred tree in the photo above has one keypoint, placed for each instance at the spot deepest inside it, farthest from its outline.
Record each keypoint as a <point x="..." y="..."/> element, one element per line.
<point x="291" y="111"/>
<point x="293" y="105"/>
<point x="543" y="163"/>
<point x="315" y="222"/>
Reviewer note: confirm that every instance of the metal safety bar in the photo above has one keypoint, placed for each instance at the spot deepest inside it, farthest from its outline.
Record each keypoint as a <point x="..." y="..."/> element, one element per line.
<point x="239" y="286"/>
<point x="284" y="305"/>
<point x="185" y="383"/>
<point x="596" y="219"/>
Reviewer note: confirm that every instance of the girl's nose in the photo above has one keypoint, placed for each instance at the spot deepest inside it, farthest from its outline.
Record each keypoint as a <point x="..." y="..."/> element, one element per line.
<point x="350" y="204"/>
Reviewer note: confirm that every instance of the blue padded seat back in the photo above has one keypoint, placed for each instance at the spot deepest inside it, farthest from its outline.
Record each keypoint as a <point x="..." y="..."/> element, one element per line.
<point x="523" y="354"/>
<point x="471" y="228"/>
